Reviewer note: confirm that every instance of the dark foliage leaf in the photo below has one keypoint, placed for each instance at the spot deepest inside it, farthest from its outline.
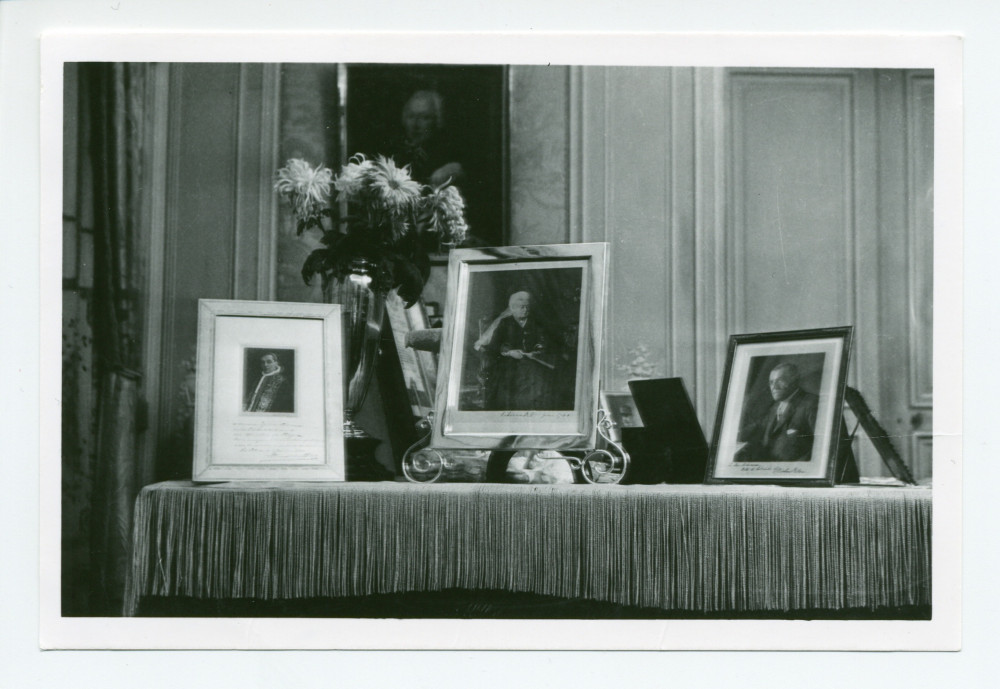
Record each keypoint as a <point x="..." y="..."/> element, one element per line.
<point x="408" y="281"/>
<point x="318" y="262"/>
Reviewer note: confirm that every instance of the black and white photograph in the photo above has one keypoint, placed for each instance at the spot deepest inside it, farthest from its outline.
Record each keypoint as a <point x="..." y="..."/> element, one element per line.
<point x="523" y="326"/>
<point x="779" y="423"/>
<point x="621" y="407"/>
<point x="521" y="347"/>
<point x="268" y="380"/>
<point x="250" y="231"/>
<point x="780" y="412"/>
<point x="272" y="410"/>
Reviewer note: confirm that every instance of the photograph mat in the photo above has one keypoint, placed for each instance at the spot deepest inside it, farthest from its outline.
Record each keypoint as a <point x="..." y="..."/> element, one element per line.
<point x="241" y="437"/>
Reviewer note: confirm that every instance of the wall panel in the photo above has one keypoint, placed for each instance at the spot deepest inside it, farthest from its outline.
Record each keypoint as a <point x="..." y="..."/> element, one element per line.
<point x="218" y="227"/>
<point x="793" y="222"/>
<point x="920" y="238"/>
<point x="539" y="154"/>
<point x="638" y="200"/>
<point x="739" y="200"/>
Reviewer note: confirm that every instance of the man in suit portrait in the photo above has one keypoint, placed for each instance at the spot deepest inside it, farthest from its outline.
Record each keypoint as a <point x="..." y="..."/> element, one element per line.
<point x="786" y="431"/>
<point x="274" y="390"/>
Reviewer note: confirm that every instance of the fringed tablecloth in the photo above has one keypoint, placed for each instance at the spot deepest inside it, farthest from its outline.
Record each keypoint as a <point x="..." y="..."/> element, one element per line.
<point x="692" y="548"/>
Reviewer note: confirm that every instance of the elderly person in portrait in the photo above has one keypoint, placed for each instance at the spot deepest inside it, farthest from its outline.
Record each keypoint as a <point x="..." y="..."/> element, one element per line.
<point x="522" y="356"/>
<point x="425" y="147"/>
<point x="785" y="432"/>
<point x="274" y="390"/>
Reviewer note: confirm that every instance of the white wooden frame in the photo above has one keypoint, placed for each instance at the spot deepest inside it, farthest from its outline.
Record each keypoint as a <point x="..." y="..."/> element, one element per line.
<point x="562" y="430"/>
<point x="301" y="443"/>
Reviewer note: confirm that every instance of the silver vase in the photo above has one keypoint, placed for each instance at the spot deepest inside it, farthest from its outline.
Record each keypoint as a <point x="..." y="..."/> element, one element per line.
<point x="362" y="311"/>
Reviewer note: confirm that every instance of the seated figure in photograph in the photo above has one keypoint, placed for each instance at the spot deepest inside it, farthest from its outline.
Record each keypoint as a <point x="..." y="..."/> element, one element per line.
<point x="785" y="432"/>
<point x="273" y="392"/>
<point x="522" y="359"/>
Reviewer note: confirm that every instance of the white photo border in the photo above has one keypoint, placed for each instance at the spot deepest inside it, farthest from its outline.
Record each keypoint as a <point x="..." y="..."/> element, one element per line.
<point x="938" y="51"/>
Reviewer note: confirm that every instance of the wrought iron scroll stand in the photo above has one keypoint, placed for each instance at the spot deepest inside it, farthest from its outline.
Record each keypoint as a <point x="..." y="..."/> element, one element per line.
<point x="608" y="465"/>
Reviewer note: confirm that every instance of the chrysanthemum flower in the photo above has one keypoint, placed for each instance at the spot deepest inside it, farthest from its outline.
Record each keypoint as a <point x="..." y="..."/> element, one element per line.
<point x="447" y="211"/>
<point x="306" y="189"/>
<point x="392" y="186"/>
<point x="390" y="219"/>
<point x="353" y="177"/>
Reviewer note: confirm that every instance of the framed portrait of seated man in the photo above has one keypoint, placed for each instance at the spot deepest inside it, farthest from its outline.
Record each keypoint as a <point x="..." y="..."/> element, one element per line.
<point x="779" y="413"/>
<point x="521" y="348"/>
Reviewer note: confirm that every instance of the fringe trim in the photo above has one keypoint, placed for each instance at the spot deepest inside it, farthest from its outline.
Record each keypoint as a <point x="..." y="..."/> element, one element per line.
<point x="698" y="548"/>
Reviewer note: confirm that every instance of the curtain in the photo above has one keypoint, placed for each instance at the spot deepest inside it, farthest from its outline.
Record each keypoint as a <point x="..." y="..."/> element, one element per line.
<point x="103" y="323"/>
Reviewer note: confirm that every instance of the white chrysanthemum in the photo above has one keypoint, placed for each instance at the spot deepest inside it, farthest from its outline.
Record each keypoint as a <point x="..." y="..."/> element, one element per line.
<point x="392" y="187"/>
<point x="448" y="214"/>
<point x="353" y="177"/>
<point x="306" y="189"/>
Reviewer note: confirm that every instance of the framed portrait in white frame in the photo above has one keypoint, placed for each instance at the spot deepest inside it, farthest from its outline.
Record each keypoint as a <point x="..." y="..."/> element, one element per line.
<point x="521" y="349"/>
<point x="780" y="408"/>
<point x="269" y="401"/>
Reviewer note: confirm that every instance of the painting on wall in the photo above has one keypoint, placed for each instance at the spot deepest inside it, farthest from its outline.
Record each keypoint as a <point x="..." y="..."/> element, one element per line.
<point x="445" y="122"/>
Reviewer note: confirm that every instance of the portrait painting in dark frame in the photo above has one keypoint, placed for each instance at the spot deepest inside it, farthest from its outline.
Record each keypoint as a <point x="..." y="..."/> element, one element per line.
<point x="430" y="117"/>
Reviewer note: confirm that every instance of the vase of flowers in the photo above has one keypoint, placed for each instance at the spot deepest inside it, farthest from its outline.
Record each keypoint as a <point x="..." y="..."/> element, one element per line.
<point x="379" y="227"/>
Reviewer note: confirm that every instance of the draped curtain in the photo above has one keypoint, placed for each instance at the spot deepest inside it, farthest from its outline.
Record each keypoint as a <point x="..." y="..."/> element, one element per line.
<point x="103" y="299"/>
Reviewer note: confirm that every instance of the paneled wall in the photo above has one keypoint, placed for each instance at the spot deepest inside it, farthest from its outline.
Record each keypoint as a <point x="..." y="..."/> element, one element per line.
<point x="734" y="201"/>
<point x="217" y="215"/>
<point x="746" y="201"/>
<point x="226" y="129"/>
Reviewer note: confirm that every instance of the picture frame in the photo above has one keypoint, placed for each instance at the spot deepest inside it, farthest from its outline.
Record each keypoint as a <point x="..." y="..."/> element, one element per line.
<point x="672" y="439"/>
<point x="622" y="412"/>
<point x="269" y="396"/>
<point x="780" y="410"/>
<point x="418" y="368"/>
<point x="465" y="107"/>
<point x="504" y="385"/>
<point x="621" y="407"/>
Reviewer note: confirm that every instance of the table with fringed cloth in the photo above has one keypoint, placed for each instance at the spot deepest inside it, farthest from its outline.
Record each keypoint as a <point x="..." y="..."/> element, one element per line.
<point x="704" y="549"/>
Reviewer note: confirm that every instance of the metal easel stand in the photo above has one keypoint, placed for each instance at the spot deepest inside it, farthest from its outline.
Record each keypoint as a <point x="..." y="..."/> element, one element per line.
<point x="608" y="465"/>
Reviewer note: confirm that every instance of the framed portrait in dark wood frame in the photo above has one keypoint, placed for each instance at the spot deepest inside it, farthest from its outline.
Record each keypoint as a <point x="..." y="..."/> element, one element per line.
<point x="779" y="412"/>
<point x="521" y="348"/>
<point x="442" y="120"/>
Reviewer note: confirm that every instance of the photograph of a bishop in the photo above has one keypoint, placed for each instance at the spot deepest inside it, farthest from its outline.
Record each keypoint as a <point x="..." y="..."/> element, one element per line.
<point x="268" y="380"/>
